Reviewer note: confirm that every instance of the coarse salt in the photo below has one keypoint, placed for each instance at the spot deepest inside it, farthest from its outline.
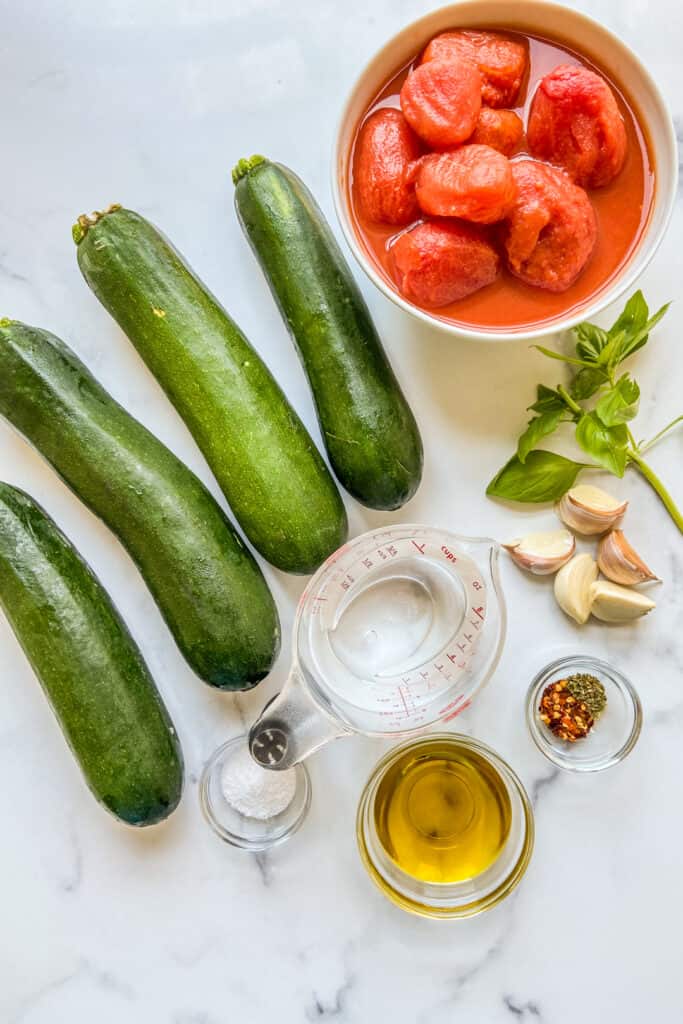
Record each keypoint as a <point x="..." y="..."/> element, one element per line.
<point x="254" y="791"/>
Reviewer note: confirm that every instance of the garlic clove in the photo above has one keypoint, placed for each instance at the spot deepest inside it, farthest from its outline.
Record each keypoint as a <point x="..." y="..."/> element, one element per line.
<point x="590" y="510"/>
<point x="573" y="587"/>
<point x="542" y="553"/>
<point x="612" y="603"/>
<point x="619" y="562"/>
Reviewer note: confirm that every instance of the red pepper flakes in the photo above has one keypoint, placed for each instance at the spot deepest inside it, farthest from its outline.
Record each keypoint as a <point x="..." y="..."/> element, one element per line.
<point x="566" y="716"/>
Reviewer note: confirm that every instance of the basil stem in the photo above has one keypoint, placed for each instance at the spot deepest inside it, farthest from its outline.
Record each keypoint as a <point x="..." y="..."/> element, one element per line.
<point x="658" y="487"/>
<point x="653" y="440"/>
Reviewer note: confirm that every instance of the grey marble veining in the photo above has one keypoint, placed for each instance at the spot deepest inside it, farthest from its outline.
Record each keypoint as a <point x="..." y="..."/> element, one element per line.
<point x="150" y="104"/>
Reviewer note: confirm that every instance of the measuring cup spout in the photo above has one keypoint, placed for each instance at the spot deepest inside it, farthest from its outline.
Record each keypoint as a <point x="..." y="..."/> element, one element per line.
<point x="292" y="726"/>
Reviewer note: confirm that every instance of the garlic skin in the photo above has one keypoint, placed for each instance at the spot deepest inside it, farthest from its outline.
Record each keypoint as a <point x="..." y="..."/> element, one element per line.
<point x="573" y="587"/>
<point x="589" y="510"/>
<point x="619" y="562"/>
<point x="542" y="553"/>
<point x="611" y="603"/>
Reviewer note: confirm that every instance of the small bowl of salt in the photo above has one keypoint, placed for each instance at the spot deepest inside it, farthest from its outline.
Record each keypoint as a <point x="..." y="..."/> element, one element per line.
<point x="247" y="805"/>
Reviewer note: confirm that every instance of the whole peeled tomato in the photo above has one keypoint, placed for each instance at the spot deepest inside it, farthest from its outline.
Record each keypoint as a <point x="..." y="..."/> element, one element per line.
<point x="502" y="62"/>
<point x="474" y="183"/>
<point x="575" y="122"/>
<point x="551" y="230"/>
<point x="386" y="148"/>
<point x="441" y="101"/>
<point x="439" y="262"/>
<point x="501" y="129"/>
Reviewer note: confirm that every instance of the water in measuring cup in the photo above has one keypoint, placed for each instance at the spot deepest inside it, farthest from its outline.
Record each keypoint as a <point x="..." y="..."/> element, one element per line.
<point x="398" y="622"/>
<point x="391" y="631"/>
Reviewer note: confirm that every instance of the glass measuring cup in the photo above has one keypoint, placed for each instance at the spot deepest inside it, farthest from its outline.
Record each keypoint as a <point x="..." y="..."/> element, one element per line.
<point x="394" y="633"/>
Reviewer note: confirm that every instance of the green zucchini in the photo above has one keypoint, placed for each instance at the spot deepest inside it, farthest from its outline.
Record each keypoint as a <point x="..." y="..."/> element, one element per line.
<point x="275" y="480"/>
<point x="370" y="433"/>
<point x="204" y="580"/>
<point x="88" y="665"/>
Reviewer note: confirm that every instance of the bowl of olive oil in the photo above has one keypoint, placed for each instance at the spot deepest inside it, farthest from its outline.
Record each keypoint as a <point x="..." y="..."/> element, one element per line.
<point x="445" y="827"/>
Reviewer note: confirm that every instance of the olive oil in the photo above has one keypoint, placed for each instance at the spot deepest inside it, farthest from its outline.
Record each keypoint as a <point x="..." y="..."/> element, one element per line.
<point x="442" y="813"/>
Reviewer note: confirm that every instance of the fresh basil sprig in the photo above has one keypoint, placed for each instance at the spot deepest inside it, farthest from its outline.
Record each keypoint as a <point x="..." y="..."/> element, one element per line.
<point x="543" y="477"/>
<point x="601" y="429"/>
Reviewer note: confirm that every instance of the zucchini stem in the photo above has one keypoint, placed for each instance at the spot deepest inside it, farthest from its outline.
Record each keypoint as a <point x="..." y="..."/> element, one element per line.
<point x="86" y="221"/>
<point x="246" y="164"/>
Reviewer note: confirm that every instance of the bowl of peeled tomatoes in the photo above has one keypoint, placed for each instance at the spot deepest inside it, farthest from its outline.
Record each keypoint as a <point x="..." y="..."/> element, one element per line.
<point x="503" y="171"/>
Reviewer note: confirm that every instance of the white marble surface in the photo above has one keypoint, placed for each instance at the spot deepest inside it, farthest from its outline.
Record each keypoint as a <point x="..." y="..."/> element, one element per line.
<point x="150" y="104"/>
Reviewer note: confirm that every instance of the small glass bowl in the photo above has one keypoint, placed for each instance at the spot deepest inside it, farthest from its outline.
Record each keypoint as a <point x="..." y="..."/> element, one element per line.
<point x="615" y="732"/>
<point x="448" y="900"/>
<point x="233" y="827"/>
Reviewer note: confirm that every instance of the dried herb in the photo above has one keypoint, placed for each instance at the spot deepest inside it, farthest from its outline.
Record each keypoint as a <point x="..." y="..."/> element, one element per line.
<point x="566" y="716"/>
<point x="590" y="690"/>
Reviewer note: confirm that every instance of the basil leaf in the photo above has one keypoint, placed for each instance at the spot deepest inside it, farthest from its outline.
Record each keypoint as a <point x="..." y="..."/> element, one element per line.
<point x="634" y="315"/>
<point x="611" y="353"/>
<point x="587" y="382"/>
<point x="539" y="427"/>
<point x="635" y="325"/>
<point x="547" y="400"/>
<point x="558" y="355"/>
<point x="620" y="403"/>
<point x="639" y="338"/>
<point x="544" y="476"/>
<point x="591" y="340"/>
<point x="607" y="445"/>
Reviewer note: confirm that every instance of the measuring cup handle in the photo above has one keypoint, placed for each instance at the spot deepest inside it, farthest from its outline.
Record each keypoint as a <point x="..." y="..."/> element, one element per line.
<point x="291" y="726"/>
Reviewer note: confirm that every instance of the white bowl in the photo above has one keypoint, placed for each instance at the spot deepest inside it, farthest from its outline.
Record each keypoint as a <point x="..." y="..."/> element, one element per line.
<point x="540" y="18"/>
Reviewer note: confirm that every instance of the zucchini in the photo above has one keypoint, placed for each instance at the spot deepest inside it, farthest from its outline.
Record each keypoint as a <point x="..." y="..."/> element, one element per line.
<point x="204" y="580"/>
<point x="370" y="433"/>
<point x="89" y="666"/>
<point x="271" y="473"/>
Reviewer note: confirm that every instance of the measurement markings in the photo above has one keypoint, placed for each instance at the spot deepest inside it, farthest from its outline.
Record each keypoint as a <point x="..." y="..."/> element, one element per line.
<point x="401" y="695"/>
<point x="451" y="704"/>
<point x="458" y="711"/>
